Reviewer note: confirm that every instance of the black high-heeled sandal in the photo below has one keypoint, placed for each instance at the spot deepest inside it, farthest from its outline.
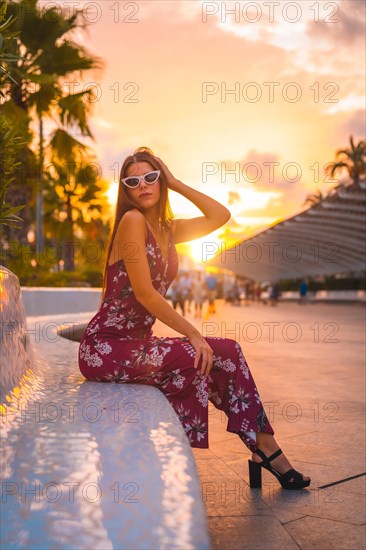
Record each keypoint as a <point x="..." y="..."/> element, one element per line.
<point x="255" y="473"/>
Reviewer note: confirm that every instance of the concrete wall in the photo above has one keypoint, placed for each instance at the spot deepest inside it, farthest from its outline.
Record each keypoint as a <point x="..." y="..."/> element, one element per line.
<point x="47" y="300"/>
<point x="53" y="301"/>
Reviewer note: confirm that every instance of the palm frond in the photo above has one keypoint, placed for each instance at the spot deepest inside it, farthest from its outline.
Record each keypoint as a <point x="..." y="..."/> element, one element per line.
<point x="74" y="111"/>
<point x="65" y="147"/>
<point x="65" y="59"/>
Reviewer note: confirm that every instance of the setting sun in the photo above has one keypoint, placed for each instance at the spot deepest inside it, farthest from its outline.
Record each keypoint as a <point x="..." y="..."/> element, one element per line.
<point x="201" y="250"/>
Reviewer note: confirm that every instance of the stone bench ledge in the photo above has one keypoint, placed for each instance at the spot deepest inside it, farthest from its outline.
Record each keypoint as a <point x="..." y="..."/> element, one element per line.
<point x="92" y="464"/>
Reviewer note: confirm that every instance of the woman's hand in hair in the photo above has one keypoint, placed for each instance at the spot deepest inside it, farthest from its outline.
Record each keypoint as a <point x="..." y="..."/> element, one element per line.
<point x="172" y="182"/>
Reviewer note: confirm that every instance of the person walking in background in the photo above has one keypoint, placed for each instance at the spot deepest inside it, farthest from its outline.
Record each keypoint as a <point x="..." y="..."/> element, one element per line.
<point x="211" y="286"/>
<point x="182" y="291"/>
<point x="241" y="292"/>
<point x="176" y="296"/>
<point x="198" y="291"/>
<point x="247" y="292"/>
<point x="227" y="289"/>
<point x="185" y="283"/>
<point x="274" y="294"/>
<point x="236" y="293"/>
<point x="303" y="291"/>
<point x="190" y="293"/>
<point x="258" y="292"/>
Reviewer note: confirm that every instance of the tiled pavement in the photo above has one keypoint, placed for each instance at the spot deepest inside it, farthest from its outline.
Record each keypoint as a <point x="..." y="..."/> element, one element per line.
<point x="309" y="366"/>
<point x="308" y="363"/>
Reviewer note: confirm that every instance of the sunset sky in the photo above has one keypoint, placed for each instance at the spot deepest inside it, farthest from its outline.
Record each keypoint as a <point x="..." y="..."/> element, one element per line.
<point x="299" y="72"/>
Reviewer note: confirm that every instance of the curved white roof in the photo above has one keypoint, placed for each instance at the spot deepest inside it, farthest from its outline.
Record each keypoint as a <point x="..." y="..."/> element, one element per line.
<point x="325" y="239"/>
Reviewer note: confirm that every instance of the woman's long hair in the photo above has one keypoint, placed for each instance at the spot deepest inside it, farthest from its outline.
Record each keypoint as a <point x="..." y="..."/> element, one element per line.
<point x="125" y="203"/>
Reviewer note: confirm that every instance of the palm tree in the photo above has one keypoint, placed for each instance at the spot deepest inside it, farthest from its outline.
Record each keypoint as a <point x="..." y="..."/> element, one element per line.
<point x="50" y="58"/>
<point x="11" y="140"/>
<point x="352" y="159"/>
<point x="6" y="36"/>
<point x="74" y="198"/>
<point x="10" y="145"/>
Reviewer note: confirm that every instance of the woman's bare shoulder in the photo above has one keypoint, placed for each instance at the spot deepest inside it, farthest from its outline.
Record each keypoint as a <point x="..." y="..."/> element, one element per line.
<point x="133" y="214"/>
<point x="131" y="220"/>
<point x="131" y="223"/>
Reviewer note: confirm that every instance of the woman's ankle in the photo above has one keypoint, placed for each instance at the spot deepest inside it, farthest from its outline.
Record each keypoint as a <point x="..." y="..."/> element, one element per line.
<point x="266" y="442"/>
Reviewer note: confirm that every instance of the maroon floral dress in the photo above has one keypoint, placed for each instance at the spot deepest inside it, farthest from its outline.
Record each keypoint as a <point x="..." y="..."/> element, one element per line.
<point x="118" y="346"/>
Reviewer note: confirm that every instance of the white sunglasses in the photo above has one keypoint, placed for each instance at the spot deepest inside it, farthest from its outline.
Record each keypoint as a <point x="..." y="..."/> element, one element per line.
<point x="134" y="181"/>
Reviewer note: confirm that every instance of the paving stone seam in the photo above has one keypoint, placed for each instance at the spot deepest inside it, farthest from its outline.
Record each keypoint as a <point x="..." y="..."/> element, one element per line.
<point x="226" y="464"/>
<point x="291" y="537"/>
<point x="344" y="480"/>
<point x="333" y="519"/>
<point x="292" y="520"/>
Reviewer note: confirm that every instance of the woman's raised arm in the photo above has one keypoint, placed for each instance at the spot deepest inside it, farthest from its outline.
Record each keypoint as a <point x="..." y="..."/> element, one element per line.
<point x="129" y="241"/>
<point x="215" y="214"/>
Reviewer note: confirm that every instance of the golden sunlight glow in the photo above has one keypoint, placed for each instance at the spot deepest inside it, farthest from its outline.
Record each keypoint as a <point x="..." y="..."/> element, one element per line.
<point x="205" y="248"/>
<point x="112" y="193"/>
<point x="256" y="200"/>
<point x="280" y="120"/>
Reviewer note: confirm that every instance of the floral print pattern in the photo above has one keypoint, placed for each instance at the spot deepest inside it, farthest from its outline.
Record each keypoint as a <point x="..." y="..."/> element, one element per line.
<point x="118" y="346"/>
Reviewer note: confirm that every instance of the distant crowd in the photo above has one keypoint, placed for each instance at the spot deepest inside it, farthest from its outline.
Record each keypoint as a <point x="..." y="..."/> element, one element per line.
<point x="190" y="291"/>
<point x="187" y="289"/>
